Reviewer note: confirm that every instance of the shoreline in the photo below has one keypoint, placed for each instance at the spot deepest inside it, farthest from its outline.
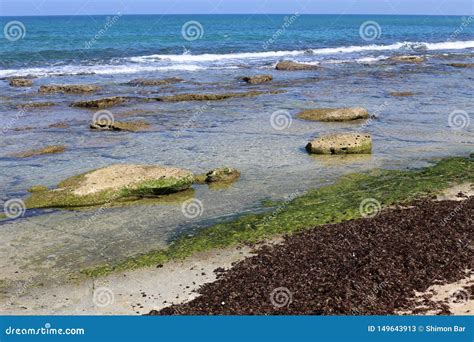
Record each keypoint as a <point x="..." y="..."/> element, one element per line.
<point x="139" y="280"/>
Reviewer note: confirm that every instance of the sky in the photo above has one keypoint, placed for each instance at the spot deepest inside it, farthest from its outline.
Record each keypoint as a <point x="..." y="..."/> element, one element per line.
<point x="91" y="7"/>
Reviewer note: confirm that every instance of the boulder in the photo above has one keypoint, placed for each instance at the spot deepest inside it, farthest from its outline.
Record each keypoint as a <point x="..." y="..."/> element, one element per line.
<point x="344" y="143"/>
<point x="144" y="82"/>
<point x="408" y="59"/>
<point x="40" y="151"/>
<point x="222" y="174"/>
<point x="100" y="103"/>
<point x="213" y="97"/>
<point x="115" y="183"/>
<point x="293" y="66"/>
<point x="334" y="114"/>
<point x="20" y="82"/>
<point x="401" y="93"/>
<point x="68" y="88"/>
<point x="461" y="65"/>
<point x="257" y="79"/>
<point x="132" y="126"/>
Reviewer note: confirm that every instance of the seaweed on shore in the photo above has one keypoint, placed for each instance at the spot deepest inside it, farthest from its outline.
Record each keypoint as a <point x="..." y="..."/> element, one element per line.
<point x="329" y="204"/>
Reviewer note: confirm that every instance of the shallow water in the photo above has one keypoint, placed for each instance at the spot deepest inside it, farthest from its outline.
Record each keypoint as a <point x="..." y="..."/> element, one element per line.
<point x="408" y="132"/>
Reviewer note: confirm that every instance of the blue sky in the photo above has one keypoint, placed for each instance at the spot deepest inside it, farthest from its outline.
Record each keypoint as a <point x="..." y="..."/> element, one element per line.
<point x="89" y="7"/>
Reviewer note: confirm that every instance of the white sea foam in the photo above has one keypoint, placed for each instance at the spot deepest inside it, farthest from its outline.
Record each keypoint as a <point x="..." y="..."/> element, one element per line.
<point x="189" y="62"/>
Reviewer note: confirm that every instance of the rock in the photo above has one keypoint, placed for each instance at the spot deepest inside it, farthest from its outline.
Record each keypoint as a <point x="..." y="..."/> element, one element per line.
<point x="68" y="88"/>
<point x="20" y="82"/>
<point x="334" y="114"/>
<point x="115" y="183"/>
<point x="341" y="144"/>
<point x="461" y="65"/>
<point x="133" y="126"/>
<point x="292" y="66"/>
<point x="46" y="150"/>
<point x="38" y="188"/>
<point x="35" y="105"/>
<point x="213" y="97"/>
<point x="100" y="103"/>
<point x="401" y="93"/>
<point x="222" y="174"/>
<point x="154" y="81"/>
<point x="257" y="79"/>
<point x="59" y="125"/>
<point x="408" y="59"/>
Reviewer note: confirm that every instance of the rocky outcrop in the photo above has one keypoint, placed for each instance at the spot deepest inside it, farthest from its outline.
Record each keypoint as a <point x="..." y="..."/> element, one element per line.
<point x="401" y="93"/>
<point x="461" y="65"/>
<point x="334" y="114"/>
<point x="40" y="151"/>
<point x="112" y="184"/>
<point x="408" y="59"/>
<point x="20" y="82"/>
<point x="68" y="88"/>
<point x="26" y="106"/>
<point x="344" y="143"/>
<point x="257" y="79"/>
<point x="213" y="97"/>
<point x="100" y="103"/>
<point x="132" y="126"/>
<point x="221" y="175"/>
<point x="144" y="82"/>
<point x="294" y="66"/>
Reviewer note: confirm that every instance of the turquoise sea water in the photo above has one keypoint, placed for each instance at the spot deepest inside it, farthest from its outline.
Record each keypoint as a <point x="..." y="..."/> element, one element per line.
<point x="211" y="53"/>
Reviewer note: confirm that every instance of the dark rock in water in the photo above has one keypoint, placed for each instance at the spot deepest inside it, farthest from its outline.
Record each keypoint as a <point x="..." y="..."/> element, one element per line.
<point x="68" y="88"/>
<point x="257" y="79"/>
<point x="461" y="65"/>
<point x="154" y="81"/>
<point x="100" y="103"/>
<point x="222" y="174"/>
<point x="294" y="66"/>
<point x="133" y="126"/>
<point x="334" y="114"/>
<point x="59" y="125"/>
<point x="40" y="151"/>
<point x="213" y="97"/>
<point x="20" y="82"/>
<point x="35" y="105"/>
<point x="345" y="143"/>
<point x="408" y="59"/>
<point x="401" y="93"/>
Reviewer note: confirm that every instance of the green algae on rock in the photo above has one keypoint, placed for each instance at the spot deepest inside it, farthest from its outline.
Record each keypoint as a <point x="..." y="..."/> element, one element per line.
<point x="114" y="183"/>
<point x="329" y="204"/>
<point x="344" y="143"/>
<point x="219" y="175"/>
<point x="334" y="114"/>
<point x="213" y="97"/>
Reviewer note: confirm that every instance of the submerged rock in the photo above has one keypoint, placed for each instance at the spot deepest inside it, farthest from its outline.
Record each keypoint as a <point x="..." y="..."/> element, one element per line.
<point x="461" y="65"/>
<point x="133" y="126"/>
<point x="35" y="105"/>
<point x="20" y="82"/>
<point x="68" y="88"/>
<point x="334" y="114"/>
<point x="222" y="174"/>
<point x="59" y="125"/>
<point x="401" y="93"/>
<point x="154" y="81"/>
<point x="40" y="151"/>
<point x="292" y="66"/>
<point x="408" y="59"/>
<point x="112" y="184"/>
<point x="257" y="79"/>
<point x="38" y="188"/>
<point x="213" y="97"/>
<point x="341" y="144"/>
<point x="100" y="103"/>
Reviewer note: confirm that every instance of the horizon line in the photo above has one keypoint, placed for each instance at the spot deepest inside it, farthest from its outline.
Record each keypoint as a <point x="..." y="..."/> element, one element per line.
<point x="217" y="14"/>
